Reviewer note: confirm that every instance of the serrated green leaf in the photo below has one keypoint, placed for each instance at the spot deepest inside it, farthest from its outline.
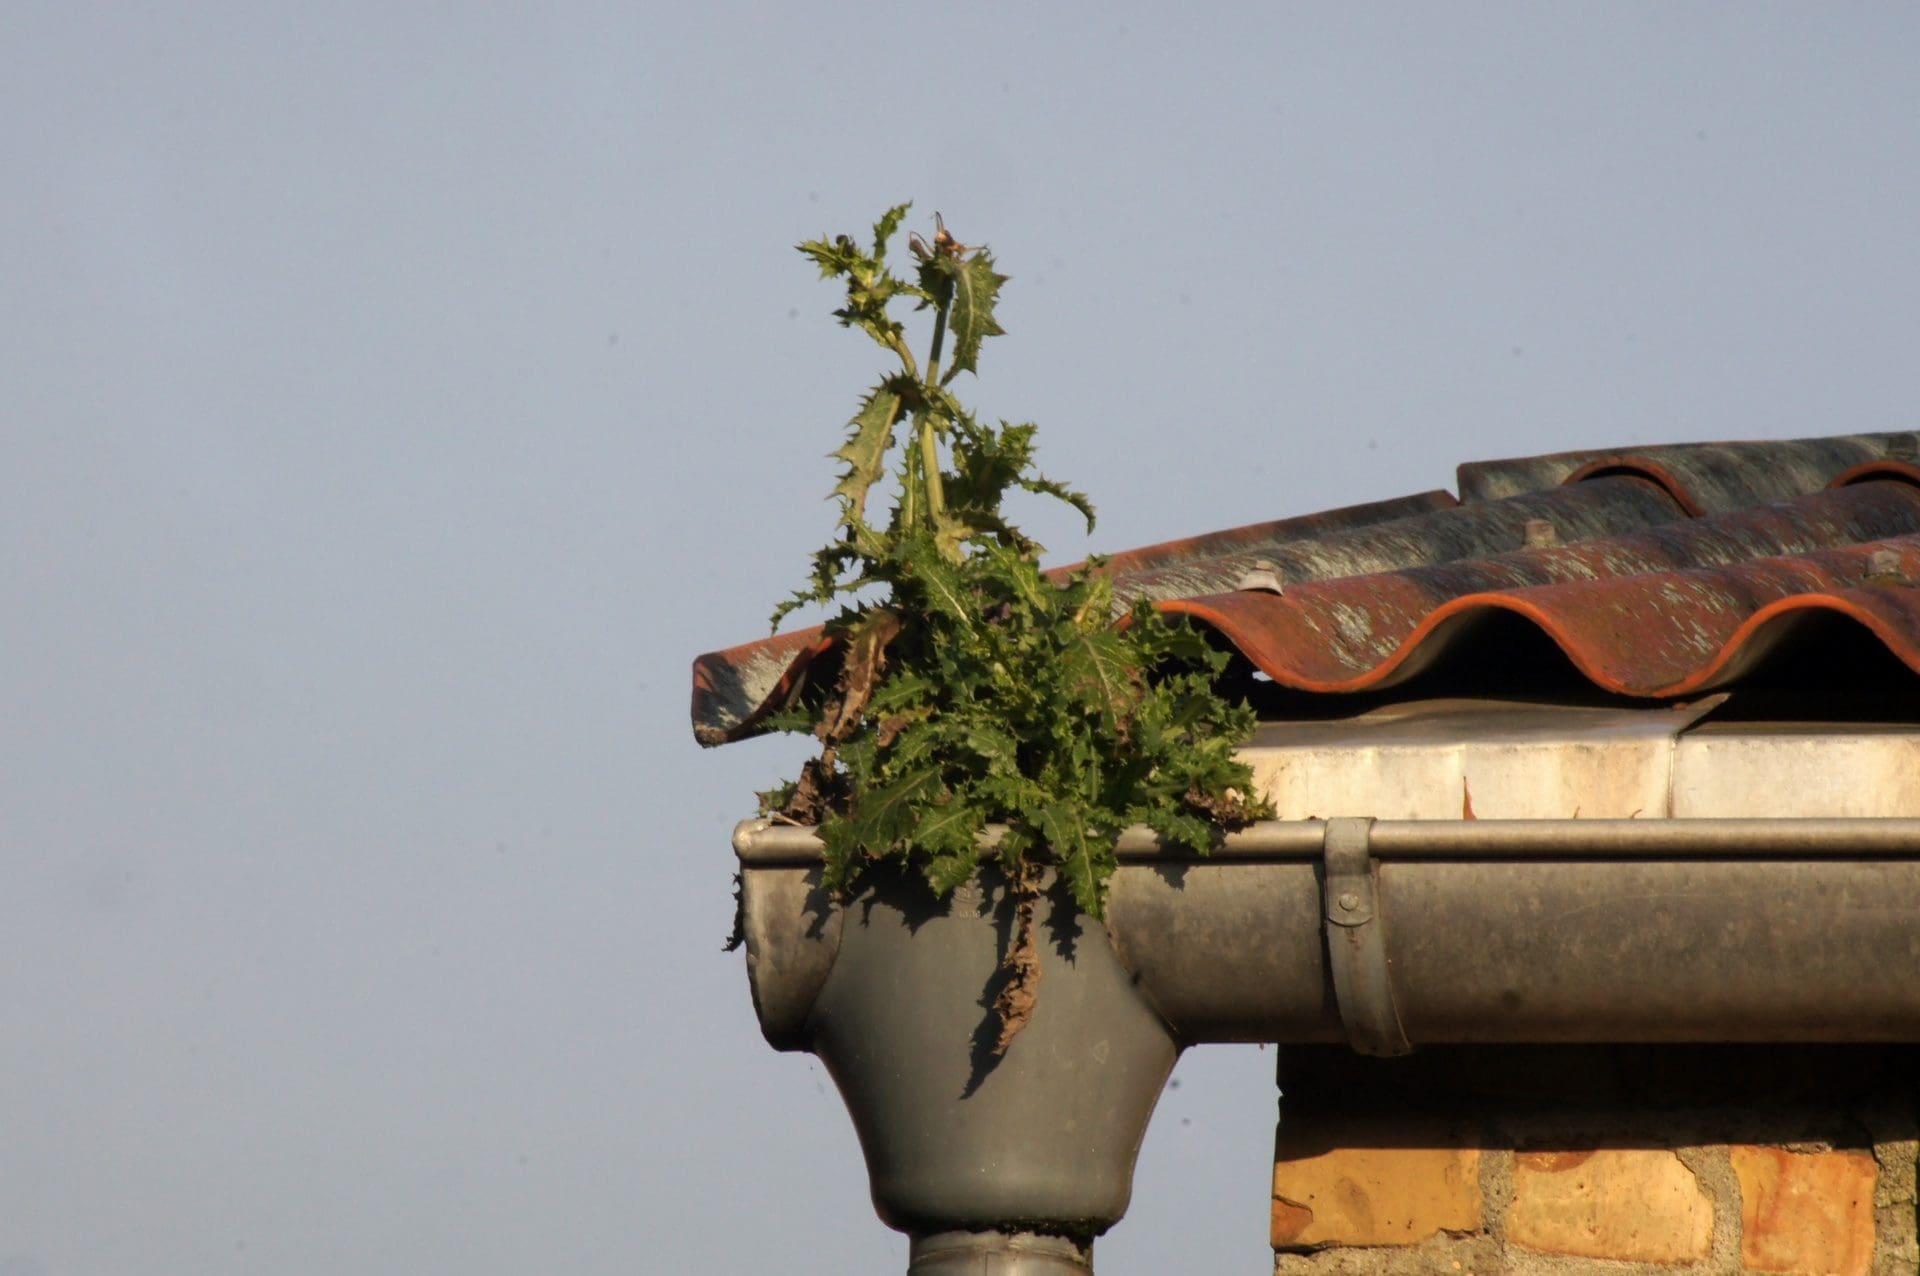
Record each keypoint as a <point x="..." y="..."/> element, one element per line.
<point x="902" y="690"/>
<point x="975" y="290"/>
<point x="883" y="816"/>
<point x="884" y="229"/>
<point x="993" y="746"/>
<point x="1041" y="486"/>
<point x="865" y="450"/>
<point x="1009" y="796"/>
<point x="944" y="872"/>
<point x="1099" y="666"/>
<point x="916" y="746"/>
<point x="833" y="256"/>
<point x="1172" y="638"/>
<point x="949" y="830"/>
<point x="952" y="529"/>
<point x="1020" y="577"/>
<point x="941" y="582"/>
<point x="1182" y="828"/>
<point x="1063" y="827"/>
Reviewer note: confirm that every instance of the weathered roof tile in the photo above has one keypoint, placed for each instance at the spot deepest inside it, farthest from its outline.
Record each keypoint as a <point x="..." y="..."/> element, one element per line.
<point x="1658" y="572"/>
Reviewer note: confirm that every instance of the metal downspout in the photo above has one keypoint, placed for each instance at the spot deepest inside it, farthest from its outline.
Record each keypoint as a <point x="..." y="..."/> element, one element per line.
<point x="1381" y="933"/>
<point x="1386" y="933"/>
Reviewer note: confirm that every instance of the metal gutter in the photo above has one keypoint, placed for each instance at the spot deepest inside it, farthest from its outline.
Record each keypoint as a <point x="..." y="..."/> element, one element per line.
<point x="1385" y="933"/>
<point x="761" y="844"/>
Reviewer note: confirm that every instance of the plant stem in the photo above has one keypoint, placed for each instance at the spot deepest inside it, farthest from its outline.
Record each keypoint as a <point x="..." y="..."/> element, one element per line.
<point x="930" y="471"/>
<point x="899" y="346"/>
<point x="929" y="445"/>
<point x="939" y="340"/>
<point x="911" y="484"/>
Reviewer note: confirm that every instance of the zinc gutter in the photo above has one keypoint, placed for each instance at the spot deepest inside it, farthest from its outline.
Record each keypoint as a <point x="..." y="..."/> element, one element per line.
<point x="761" y="844"/>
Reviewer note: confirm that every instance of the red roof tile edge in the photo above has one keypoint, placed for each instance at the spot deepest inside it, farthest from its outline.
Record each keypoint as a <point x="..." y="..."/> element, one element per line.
<point x="1708" y="641"/>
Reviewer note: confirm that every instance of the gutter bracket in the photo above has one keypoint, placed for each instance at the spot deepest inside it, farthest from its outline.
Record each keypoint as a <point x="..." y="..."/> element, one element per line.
<point x="1357" y="941"/>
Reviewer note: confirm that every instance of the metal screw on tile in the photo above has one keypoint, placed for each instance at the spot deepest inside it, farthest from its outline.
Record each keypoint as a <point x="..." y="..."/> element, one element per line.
<point x="1542" y="534"/>
<point x="1264" y="576"/>
<point x="1348" y="901"/>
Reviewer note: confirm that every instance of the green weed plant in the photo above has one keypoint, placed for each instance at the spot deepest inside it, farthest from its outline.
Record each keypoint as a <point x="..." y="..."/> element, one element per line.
<point x="973" y="689"/>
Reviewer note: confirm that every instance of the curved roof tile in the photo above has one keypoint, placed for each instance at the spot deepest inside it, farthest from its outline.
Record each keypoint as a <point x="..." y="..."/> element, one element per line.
<point x="1658" y="572"/>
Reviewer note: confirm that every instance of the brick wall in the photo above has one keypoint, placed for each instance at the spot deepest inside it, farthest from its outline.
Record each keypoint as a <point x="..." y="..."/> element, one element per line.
<point x="1619" y="1160"/>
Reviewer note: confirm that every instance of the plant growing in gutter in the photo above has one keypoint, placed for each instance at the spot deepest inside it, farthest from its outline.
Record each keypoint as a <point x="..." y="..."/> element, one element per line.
<point x="973" y="688"/>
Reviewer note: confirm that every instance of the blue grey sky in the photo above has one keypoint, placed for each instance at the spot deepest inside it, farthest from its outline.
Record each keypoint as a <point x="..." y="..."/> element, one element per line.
<point x="395" y="398"/>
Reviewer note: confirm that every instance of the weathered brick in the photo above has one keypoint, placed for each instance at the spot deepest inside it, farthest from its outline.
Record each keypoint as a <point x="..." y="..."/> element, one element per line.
<point x="1635" y="1204"/>
<point x="1805" y="1212"/>
<point x="1374" y="1195"/>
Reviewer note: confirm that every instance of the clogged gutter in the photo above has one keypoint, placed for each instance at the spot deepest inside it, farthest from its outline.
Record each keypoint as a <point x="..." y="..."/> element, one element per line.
<point x="977" y="689"/>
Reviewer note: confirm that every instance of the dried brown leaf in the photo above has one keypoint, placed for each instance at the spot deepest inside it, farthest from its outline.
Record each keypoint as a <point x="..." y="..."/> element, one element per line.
<point x="1013" y="1006"/>
<point x="860" y="670"/>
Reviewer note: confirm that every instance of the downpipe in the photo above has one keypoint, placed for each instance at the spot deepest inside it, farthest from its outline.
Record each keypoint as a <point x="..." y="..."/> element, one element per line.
<point x="1004" y="1164"/>
<point x="1383" y="934"/>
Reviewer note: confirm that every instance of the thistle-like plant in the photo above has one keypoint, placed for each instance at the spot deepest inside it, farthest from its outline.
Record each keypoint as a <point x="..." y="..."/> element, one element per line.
<point x="973" y="688"/>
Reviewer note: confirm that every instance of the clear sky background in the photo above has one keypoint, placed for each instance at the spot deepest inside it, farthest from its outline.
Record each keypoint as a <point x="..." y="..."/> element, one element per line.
<point x="395" y="398"/>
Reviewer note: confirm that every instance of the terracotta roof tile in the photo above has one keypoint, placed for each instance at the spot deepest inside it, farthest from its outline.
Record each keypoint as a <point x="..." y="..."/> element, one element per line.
<point x="1657" y="571"/>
